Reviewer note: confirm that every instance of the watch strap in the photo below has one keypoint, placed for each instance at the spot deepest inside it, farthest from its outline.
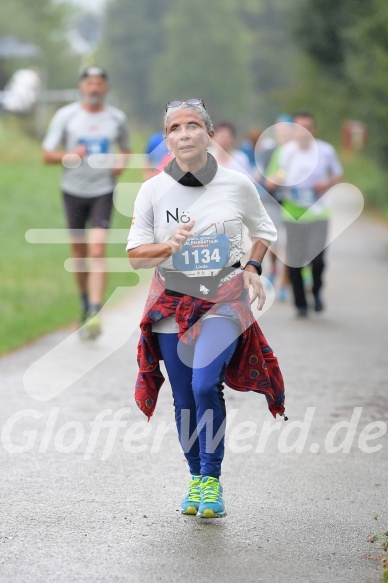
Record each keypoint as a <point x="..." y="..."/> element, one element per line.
<point x="255" y="264"/>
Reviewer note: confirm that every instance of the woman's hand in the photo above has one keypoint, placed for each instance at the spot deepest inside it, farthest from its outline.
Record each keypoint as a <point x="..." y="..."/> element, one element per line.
<point x="252" y="279"/>
<point x="179" y="237"/>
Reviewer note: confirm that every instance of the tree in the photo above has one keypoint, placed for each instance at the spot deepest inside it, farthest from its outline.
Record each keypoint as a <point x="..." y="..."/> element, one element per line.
<point x="320" y="32"/>
<point x="44" y="23"/>
<point x="273" y="54"/>
<point x="133" y="39"/>
<point x="367" y="68"/>
<point x="206" y="55"/>
<point x="343" y="72"/>
<point x="238" y="53"/>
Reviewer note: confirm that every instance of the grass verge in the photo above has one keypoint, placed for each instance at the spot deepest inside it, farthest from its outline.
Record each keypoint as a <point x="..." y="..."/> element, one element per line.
<point x="370" y="179"/>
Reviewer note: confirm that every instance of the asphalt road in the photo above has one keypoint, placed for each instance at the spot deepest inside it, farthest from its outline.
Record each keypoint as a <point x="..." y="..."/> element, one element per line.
<point x="79" y="503"/>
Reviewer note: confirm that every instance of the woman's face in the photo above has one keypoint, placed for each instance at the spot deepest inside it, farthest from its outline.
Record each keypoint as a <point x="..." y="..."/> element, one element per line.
<point x="187" y="138"/>
<point x="304" y="131"/>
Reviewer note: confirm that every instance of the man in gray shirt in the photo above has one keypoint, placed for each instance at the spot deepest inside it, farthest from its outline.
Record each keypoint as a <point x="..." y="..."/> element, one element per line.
<point x="82" y="137"/>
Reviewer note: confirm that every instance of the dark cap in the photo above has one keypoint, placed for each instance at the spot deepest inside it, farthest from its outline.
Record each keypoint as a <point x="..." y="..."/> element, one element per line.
<point x="93" y="71"/>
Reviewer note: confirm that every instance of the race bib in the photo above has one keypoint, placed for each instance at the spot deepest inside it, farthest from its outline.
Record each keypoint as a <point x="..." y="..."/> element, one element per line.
<point x="305" y="197"/>
<point x="203" y="255"/>
<point x="95" y="145"/>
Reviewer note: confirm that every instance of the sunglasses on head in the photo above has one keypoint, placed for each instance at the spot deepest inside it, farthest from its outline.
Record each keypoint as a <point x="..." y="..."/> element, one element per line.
<point x="191" y="101"/>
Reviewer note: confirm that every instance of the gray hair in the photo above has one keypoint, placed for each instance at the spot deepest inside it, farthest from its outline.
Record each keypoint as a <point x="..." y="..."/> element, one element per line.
<point x="203" y="114"/>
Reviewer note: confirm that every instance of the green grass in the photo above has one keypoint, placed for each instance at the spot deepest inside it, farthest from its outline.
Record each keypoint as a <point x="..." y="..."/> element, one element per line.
<point x="370" y="179"/>
<point x="37" y="295"/>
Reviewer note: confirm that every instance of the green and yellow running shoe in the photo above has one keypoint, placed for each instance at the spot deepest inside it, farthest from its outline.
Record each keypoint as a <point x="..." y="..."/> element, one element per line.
<point x="212" y="504"/>
<point x="190" y="503"/>
<point x="91" y="328"/>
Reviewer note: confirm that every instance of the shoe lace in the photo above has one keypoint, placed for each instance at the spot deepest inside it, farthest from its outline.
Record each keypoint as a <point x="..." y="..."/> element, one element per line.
<point x="195" y="491"/>
<point x="210" y="490"/>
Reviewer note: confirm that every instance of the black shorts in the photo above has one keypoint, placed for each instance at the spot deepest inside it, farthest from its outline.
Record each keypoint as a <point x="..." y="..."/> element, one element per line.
<point x="81" y="210"/>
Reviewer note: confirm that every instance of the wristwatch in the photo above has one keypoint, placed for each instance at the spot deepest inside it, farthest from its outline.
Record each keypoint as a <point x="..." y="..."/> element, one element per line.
<point x="255" y="264"/>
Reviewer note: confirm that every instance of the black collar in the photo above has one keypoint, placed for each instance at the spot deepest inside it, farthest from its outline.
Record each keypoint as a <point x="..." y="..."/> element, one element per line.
<point x="203" y="176"/>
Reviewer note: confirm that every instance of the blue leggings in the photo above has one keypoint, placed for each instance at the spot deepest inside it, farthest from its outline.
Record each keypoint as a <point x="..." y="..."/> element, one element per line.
<point x="196" y="376"/>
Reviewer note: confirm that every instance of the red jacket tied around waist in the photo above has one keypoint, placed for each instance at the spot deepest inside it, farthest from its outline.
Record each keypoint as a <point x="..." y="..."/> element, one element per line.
<point x="253" y="367"/>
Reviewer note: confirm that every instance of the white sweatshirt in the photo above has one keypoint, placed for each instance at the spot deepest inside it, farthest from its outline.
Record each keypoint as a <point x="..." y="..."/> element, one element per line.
<point x="223" y="206"/>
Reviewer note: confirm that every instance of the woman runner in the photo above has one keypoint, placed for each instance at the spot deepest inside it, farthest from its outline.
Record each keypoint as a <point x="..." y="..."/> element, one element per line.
<point x="188" y="224"/>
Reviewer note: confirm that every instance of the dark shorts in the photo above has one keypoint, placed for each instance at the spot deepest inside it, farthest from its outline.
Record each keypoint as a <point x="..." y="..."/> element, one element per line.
<point x="95" y="211"/>
<point x="305" y="241"/>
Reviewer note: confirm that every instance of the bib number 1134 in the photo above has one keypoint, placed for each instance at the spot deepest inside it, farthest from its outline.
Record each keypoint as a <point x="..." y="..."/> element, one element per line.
<point x="201" y="256"/>
<point x="204" y="252"/>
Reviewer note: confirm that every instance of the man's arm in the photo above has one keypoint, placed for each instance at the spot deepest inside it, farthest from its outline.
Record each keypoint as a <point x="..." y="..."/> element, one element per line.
<point x="53" y="142"/>
<point x="121" y="160"/>
<point x="335" y="174"/>
<point x="56" y="156"/>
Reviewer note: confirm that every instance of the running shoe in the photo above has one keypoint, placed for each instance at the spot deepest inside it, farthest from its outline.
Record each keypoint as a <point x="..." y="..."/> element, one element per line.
<point x="282" y="294"/>
<point x="271" y="277"/>
<point x="301" y="313"/>
<point x="92" y="328"/>
<point x="212" y="504"/>
<point x="84" y="316"/>
<point x="81" y="330"/>
<point x="269" y="280"/>
<point x="190" y="503"/>
<point x="318" y="304"/>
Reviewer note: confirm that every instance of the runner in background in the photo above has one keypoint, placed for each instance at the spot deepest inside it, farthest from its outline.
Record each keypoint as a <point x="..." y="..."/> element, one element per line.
<point x="156" y="152"/>
<point x="310" y="168"/>
<point x="268" y="161"/>
<point x="78" y="131"/>
<point x="165" y="161"/>
<point x="248" y="147"/>
<point x="224" y="149"/>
